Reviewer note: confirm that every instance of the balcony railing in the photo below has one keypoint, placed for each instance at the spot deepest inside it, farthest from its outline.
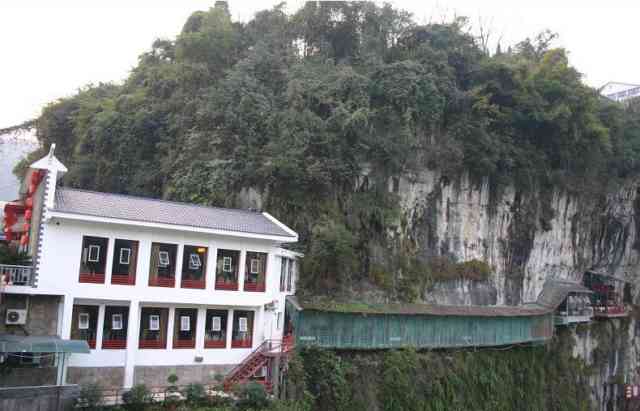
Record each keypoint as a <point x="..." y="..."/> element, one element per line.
<point x="16" y="274"/>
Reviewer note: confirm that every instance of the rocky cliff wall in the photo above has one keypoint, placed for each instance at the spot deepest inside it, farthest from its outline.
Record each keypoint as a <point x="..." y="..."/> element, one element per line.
<point x="526" y="238"/>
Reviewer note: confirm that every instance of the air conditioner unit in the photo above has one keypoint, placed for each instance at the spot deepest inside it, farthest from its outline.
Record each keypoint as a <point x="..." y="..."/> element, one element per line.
<point x="16" y="317"/>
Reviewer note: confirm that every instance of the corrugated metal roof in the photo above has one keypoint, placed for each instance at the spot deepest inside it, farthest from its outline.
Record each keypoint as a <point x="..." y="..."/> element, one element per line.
<point x="419" y="309"/>
<point x="555" y="291"/>
<point x="150" y="210"/>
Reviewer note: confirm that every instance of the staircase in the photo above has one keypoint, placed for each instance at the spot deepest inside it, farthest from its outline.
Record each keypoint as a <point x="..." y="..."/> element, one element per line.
<point x="260" y="357"/>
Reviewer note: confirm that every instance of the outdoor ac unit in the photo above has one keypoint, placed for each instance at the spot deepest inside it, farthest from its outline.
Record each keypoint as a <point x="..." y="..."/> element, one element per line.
<point x="16" y="317"/>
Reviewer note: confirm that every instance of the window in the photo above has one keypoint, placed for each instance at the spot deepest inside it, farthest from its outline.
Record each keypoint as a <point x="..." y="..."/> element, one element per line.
<point x="255" y="271"/>
<point x="290" y="274"/>
<point x="194" y="267"/>
<point x="153" y="327"/>
<point x="227" y="265"/>
<point x="125" y="260"/>
<point x="242" y="336"/>
<point x="283" y="272"/>
<point x="125" y="256"/>
<point x="116" y="322"/>
<point x="185" y="323"/>
<point x="163" y="257"/>
<point x="154" y="322"/>
<point x="94" y="254"/>
<point x="184" y="335"/>
<point x="83" y="321"/>
<point x="93" y="259"/>
<point x="163" y="265"/>
<point x="216" y="332"/>
<point x="114" y="330"/>
<point x="29" y="358"/>
<point x="194" y="262"/>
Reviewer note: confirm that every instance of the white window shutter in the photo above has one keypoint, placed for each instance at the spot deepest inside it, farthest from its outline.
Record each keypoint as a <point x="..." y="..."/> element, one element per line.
<point x="216" y="324"/>
<point x="83" y="321"/>
<point x="242" y="324"/>
<point x="185" y="323"/>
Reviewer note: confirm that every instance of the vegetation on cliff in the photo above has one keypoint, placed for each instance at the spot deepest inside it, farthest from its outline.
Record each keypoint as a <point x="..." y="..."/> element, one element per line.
<point x="512" y="378"/>
<point x="322" y="111"/>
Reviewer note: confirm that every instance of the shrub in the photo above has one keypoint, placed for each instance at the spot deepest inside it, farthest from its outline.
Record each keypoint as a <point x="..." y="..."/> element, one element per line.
<point x="252" y="395"/>
<point x="195" y="394"/>
<point x="90" y="397"/>
<point x="137" y="398"/>
<point x="172" y="394"/>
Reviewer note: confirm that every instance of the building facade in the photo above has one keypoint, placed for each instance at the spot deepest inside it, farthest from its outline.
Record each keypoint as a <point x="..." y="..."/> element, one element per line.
<point x="153" y="287"/>
<point x="620" y="92"/>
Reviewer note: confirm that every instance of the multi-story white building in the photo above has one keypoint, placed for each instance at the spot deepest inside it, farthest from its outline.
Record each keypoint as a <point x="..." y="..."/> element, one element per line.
<point x="620" y="92"/>
<point x="154" y="287"/>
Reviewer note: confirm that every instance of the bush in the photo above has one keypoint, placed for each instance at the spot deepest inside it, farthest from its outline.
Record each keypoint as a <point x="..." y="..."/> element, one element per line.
<point x="252" y="395"/>
<point x="195" y="394"/>
<point x="172" y="393"/>
<point x="137" y="398"/>
<point x="90" y="397"/>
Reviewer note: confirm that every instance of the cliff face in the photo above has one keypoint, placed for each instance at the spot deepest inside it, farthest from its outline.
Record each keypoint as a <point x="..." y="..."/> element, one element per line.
<point x="528" y="238"/>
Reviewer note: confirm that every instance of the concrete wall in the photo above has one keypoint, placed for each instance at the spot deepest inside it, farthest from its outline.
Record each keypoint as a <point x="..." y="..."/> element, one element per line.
<point x="156" y="376"/>
<point x="151" y="376"/>
<point x="42" y="315"/>
<point x="106" y="377"/>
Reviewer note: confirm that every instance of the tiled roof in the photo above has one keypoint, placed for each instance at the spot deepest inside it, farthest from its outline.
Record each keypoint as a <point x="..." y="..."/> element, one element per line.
<point x="420" y="309"/>
<point x="125" y="207"/>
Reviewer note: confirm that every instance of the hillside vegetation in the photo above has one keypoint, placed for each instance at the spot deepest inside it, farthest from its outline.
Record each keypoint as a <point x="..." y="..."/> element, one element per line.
<point x="320" y="111"/>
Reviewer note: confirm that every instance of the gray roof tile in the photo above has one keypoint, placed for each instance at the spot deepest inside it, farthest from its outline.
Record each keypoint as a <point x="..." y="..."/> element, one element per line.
<point x="555" y="291"/>
<point x="150" y="210"/>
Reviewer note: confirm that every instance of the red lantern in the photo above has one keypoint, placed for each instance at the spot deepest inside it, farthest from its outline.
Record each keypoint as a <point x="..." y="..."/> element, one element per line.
<point x="36" y="177"/>
<point x="27" y="215"/>
<point x="29" y="202"/>
<point x="24" y="240"/>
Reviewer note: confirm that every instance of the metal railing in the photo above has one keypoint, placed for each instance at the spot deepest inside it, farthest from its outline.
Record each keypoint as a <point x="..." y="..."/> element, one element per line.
<point x="16" y="274"/>
<point x="267" y="348"/>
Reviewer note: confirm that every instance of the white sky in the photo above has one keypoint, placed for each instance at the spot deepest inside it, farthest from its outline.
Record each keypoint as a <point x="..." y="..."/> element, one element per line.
<point x="51" y="48"/>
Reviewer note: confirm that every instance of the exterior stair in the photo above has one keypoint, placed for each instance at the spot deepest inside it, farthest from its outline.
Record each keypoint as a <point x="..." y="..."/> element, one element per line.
<point x="260" y="357"/>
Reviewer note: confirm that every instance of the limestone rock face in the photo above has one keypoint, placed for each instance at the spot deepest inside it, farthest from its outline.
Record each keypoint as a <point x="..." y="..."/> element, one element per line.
<point x="526" y="238"/>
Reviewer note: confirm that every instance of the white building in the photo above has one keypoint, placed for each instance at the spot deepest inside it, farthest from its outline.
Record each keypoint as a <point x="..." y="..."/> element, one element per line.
<point x="154" y="287"/>
<point x="620" y="92"/>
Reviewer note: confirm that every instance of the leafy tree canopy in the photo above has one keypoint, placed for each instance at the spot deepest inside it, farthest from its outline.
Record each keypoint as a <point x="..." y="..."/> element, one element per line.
<point x="302" y="107"/>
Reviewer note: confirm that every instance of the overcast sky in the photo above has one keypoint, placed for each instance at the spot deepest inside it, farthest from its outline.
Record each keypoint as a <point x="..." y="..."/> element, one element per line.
<point x="51" y="48"/>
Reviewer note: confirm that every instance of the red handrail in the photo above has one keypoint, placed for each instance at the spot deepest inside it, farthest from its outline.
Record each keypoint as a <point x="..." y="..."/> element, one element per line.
<point x="283" y="346"/>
